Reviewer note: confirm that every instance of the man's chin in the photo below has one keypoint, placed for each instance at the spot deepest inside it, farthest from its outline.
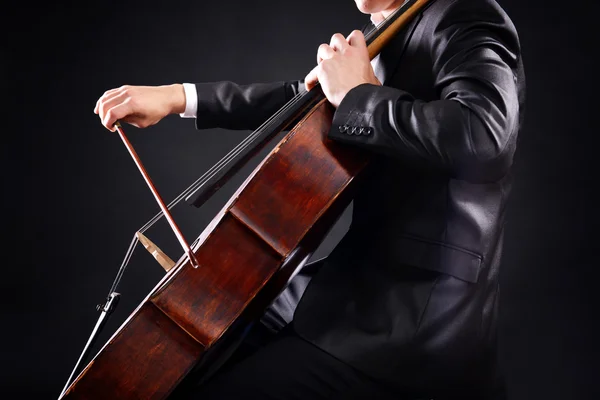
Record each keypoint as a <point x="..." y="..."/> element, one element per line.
<point x="365" y="6"/>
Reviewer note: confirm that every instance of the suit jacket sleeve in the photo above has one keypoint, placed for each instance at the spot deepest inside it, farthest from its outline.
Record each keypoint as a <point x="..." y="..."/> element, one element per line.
<point x="469" y="132"/>
<point x="232" y="106"/>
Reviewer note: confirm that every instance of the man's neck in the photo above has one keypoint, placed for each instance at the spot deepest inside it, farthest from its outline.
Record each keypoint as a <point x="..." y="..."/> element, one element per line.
<point x="379" y="17"/>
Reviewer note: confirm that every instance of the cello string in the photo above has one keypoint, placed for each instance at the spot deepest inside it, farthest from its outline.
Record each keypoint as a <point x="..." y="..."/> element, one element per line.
<point x="123" y="266"/>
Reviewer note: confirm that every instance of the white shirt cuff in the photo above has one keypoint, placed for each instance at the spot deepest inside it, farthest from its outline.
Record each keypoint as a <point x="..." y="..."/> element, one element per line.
<point x="191" y="101"/>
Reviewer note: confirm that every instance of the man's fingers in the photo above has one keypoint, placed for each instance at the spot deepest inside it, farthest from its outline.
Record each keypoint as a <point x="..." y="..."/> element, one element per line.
<point x="357" y="39"/>
<point x="115" y="113"/>
<point x="312" y="78"/>
<point x="338" y="42"/>
<point x="109" y="101"/>
<point x="104" y="97"/>
<point x="324" y="52"/>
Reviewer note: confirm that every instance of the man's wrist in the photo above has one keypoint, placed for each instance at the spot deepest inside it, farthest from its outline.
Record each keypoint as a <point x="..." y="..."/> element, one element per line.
<point x="175" y="98"/>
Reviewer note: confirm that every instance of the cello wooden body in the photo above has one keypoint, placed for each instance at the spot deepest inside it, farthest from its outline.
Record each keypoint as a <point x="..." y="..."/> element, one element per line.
<point x="273" y="223"/>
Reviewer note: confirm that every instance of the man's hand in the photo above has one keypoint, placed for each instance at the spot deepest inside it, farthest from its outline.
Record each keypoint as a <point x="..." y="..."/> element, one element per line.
<point x="140" y="106"/>
<point x="342" y="65"/>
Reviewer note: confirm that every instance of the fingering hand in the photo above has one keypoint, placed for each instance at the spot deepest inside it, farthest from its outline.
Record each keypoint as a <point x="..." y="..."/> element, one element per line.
<point x="342" y="65"/>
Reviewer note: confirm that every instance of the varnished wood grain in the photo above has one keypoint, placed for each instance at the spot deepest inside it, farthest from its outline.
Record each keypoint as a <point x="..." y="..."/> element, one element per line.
<point x="235" y="264"/>
<point x="298" y="183"/>
<point x="145" y="360"/>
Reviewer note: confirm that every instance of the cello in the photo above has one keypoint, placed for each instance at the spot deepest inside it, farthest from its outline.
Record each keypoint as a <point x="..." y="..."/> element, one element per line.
<point x="193" y="319"/>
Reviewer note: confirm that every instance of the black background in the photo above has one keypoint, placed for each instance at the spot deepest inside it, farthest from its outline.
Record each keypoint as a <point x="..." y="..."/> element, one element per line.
<point x="73" y="198"/>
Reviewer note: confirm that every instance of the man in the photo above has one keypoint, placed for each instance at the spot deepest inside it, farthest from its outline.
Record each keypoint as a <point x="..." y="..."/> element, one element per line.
<point x="406" y="305"/>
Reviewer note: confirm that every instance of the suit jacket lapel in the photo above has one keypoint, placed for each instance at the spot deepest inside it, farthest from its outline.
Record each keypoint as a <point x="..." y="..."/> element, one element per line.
<point x="390" y="55"/>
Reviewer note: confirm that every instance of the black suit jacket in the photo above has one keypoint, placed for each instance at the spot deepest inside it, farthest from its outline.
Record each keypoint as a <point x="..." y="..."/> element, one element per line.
<point x="410" y="294"/>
